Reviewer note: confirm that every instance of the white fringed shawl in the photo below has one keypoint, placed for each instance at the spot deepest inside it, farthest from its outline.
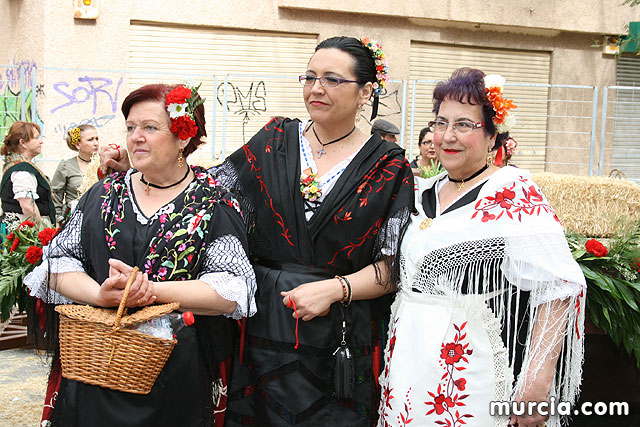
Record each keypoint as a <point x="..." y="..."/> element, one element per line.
<point x="507" y="241"/>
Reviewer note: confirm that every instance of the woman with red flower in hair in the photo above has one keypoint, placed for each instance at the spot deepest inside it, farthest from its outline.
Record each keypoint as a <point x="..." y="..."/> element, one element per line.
<point x="186" y="235"/>
<point x="490" y="306"/>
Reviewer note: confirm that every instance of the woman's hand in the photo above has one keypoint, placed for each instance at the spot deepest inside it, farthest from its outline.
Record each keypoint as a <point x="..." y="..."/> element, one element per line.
<point x="141" y="291"/>
<point x="535" y="393"/>
<point x="313" y="299"/>
<point x="112" y="157"/>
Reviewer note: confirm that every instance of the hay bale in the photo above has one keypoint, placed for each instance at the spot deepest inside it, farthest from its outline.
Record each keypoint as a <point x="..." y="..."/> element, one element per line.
<point x="591" y="205"/>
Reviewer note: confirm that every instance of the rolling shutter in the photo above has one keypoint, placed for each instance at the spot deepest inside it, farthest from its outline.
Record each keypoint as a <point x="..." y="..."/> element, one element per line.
<point x="261" y="72"/>
<point x="626" y="132"/>
<point x="435" y="62"/>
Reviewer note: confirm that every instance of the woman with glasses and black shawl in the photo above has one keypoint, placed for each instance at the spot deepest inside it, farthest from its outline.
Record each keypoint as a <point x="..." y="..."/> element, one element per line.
<point x="491" y="302"/>
<point x="325" y="204"/>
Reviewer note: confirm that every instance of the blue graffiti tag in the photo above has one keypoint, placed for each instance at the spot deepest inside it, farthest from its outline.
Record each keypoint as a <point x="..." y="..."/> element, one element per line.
<point x="83" y="94"/>
<point x="94" y="121"/>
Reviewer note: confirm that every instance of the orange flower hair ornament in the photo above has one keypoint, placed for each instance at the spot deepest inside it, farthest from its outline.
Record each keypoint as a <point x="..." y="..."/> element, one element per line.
<point x="181" y="104"/>
<point x="503" y="120"/>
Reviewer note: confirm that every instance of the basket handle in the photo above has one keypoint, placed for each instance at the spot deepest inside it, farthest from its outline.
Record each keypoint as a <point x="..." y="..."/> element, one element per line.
<point x="123" y="301"/>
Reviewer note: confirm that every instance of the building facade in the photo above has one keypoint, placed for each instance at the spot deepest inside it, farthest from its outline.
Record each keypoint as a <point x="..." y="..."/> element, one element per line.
<point x="62" y="71"/>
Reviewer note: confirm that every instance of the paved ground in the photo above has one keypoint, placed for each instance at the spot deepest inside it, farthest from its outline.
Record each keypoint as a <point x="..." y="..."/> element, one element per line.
<point x="23" y="380"/>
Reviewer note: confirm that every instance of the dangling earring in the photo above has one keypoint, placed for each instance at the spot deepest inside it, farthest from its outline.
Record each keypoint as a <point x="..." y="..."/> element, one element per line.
<point x="180" y="158"/>
<point x="490" y="158"/>
<point x="359" y="113"/>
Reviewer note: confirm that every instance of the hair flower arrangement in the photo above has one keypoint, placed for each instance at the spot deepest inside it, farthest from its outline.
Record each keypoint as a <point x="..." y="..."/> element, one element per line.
<point x="75" y="136"/>
<point x="382" y="71"/>
<point x="181" y="103"/>
<point x="309" y="185"/>
<point x="503" y="120"/>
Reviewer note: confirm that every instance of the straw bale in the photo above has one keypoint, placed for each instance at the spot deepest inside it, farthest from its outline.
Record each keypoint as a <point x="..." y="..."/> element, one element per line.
<point x="591" y="205"/>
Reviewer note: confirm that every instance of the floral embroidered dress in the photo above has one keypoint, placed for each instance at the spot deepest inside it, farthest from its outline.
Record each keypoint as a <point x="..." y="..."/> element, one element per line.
<point x="353" y="225"/>
<point x="488" y="287"/>
<point x="198" y="235"/>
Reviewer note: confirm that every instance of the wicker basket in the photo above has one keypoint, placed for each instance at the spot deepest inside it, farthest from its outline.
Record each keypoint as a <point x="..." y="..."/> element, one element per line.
<point x="95" y="349"/>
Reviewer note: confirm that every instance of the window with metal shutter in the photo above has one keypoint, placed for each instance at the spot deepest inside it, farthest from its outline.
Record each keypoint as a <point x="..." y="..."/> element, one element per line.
<point x="435" y="62"/>
<point x="626" y="132"/>
<point x="261" y="76"/>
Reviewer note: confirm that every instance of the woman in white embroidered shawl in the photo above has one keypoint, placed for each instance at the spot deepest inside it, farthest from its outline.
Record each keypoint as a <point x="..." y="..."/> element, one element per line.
<point x="491" y="302"/>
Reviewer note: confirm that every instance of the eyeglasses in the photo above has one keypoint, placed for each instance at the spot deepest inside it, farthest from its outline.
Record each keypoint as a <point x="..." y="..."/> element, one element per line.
<point x="328" y="81"/>
<point x="425" y="142"/>
<point x="463" y="126"/>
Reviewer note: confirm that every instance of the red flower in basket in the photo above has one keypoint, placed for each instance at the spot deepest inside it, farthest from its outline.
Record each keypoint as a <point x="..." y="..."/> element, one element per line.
<point x="596" y="248"/>
<point x="34" y="254"/>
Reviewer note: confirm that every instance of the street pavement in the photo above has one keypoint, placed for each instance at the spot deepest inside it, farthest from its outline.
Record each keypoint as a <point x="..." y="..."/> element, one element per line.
<point x="23" y="381"/>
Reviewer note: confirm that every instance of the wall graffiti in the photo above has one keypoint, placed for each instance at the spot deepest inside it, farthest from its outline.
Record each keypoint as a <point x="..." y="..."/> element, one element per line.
<point x="97" y="122"/>
<point x="88" y="90"/>
<point x="251" y="100"/>
<point x="11" y="108"/>
<point x="10" y="79"/>
<point x="11" y="94"/>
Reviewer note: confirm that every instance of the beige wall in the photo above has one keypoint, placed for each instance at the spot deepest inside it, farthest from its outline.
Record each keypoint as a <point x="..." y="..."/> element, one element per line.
<point x="46" y="34"/>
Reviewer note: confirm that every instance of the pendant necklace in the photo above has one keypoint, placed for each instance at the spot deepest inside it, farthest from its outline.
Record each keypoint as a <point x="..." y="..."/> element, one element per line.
<point x="321" y="151"/>
<point x="461" y="181"/>
<point x="162" y="187"/>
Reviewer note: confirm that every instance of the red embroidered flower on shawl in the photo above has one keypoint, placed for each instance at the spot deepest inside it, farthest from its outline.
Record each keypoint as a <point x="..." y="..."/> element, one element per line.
<point x="443" y="403"/>
<point x="596" y="248"/>
<point x="502" y="197"/>
<point x="451" y="353"/>
<point x="461" y="384"/>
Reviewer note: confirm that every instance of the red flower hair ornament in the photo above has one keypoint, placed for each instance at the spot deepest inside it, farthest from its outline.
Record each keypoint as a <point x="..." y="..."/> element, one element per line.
<point x="181" y="103"/>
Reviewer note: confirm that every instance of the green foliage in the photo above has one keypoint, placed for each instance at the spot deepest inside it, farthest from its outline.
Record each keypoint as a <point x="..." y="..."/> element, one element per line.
<point x="433" y="170"/>
<point x="613" y="286"/>
<point x="12" y="291"/>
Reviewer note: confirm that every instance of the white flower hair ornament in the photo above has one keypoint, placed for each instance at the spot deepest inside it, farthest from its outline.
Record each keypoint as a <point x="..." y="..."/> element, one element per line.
<point x="503" y="119"/>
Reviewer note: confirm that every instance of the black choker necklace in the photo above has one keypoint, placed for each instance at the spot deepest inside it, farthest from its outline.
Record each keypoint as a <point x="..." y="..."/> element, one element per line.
<point x="461" y="181"/>
<point x="321" y="150"/>
<point x="163" y="187"/>
<point x="86" y="161"/>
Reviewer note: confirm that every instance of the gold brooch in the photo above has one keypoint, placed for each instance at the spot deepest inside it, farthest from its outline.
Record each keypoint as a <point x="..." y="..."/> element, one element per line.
<point x="425" y="224"/>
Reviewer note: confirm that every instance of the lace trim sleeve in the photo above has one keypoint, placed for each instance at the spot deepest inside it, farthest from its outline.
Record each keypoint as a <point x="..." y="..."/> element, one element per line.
<point x="388" y="238"/>
<point x="227" y="271"/>
<point x="63" y="255"/>
<point x="228" y="177"/>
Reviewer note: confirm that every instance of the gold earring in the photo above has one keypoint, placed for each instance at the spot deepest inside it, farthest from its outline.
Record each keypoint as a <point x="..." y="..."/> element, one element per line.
<point x="359" y="113"/>
<point x="180" y="158"/>
<point x="490" y="158"/>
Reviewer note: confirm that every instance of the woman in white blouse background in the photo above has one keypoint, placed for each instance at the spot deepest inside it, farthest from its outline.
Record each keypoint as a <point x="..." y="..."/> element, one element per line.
<point x="25" y="190"/>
